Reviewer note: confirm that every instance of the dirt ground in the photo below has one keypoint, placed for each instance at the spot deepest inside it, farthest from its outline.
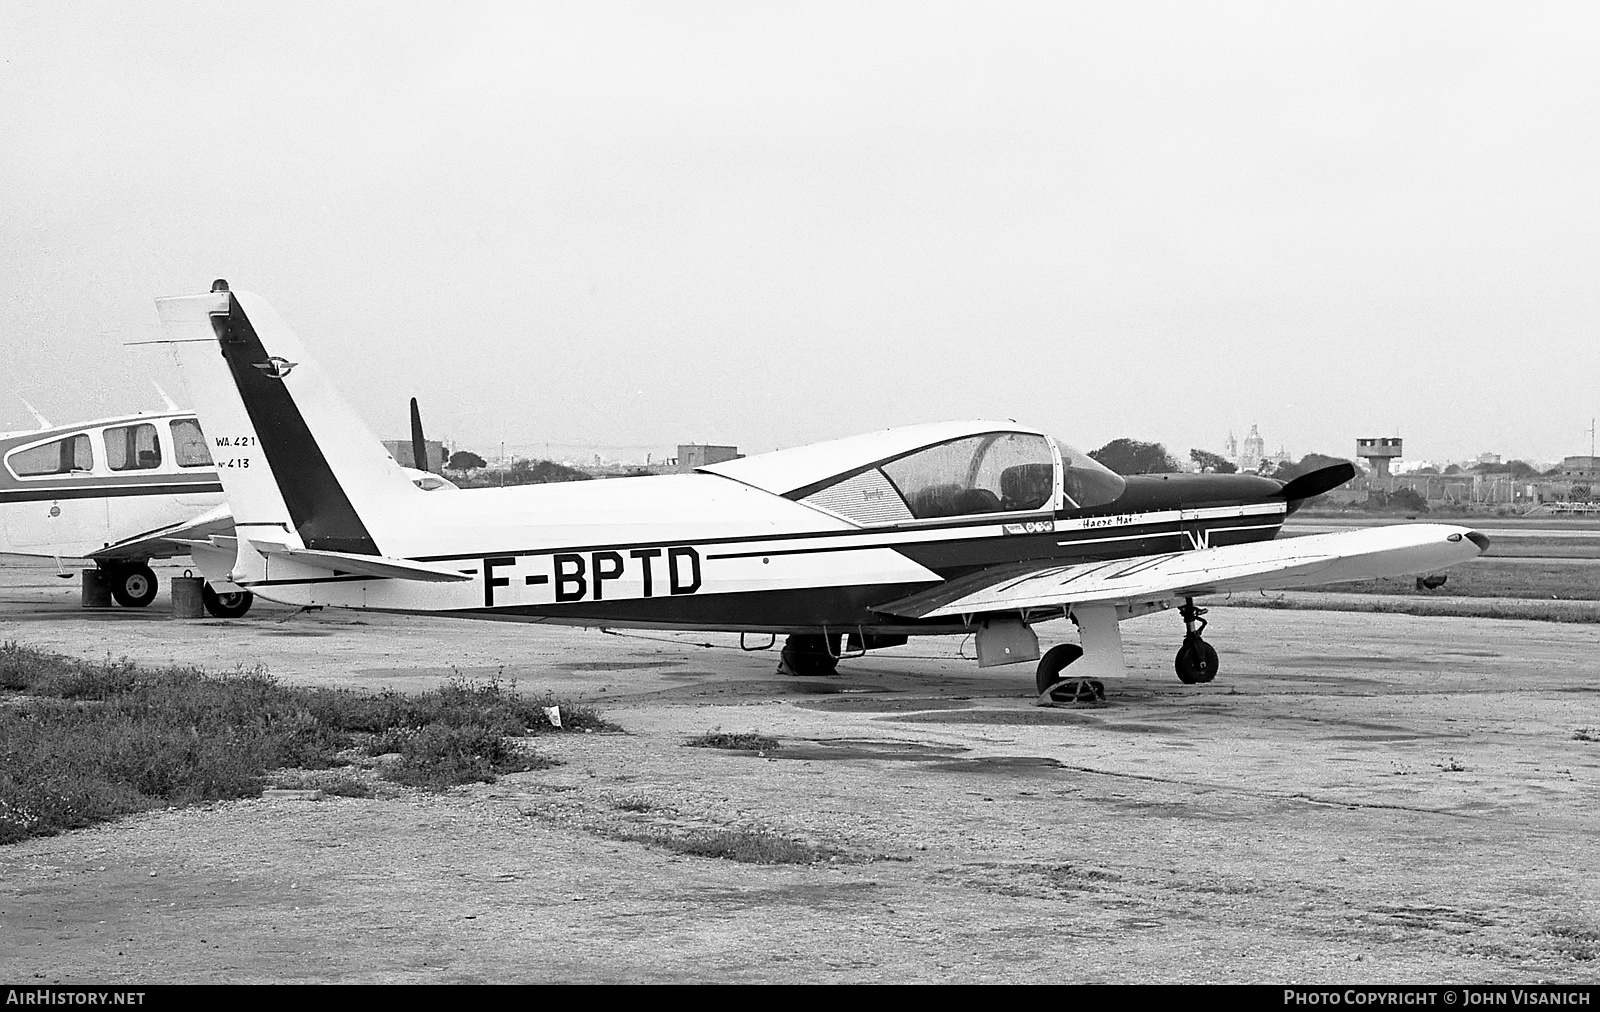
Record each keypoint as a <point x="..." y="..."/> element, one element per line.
<point x="1358" y="798"/>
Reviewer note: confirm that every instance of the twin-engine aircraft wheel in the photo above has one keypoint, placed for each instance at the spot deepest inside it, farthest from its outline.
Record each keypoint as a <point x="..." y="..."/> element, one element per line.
<point x="1196" y="661"/>
<point x="810" y="654"/>
<point x="225" y="605"/>
<point x="1054" y="661"/>
<point x="133" y="586"/>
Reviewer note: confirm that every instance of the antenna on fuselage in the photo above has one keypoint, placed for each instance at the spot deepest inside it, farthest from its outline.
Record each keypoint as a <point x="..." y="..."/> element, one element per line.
<point x="44" y="423"/>
<point x="171" y="405"/>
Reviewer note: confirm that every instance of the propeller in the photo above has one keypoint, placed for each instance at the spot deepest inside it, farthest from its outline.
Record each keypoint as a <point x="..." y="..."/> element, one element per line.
<point x="1317" y="482"/>
<point x="419" y="445"/>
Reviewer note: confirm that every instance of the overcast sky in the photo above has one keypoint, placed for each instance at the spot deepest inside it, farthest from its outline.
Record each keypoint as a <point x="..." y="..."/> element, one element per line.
<point x="768" y="224"/>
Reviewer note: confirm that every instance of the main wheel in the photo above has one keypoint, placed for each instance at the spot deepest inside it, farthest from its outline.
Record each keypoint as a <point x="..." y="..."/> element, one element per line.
<point x="809" y="655"/>
<point x="1054" y="661"/>
<point x="1196" y="661"/>
<point x="133" y="586"/>
<point x="225" y="605"/>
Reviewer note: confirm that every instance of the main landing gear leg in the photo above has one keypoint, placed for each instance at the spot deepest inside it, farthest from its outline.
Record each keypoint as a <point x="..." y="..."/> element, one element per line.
<point x="1197" y="660"/>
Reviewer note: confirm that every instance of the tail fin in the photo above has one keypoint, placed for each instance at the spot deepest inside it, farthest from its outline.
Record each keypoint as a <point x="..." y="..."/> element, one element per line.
<point x="289" y="451"/>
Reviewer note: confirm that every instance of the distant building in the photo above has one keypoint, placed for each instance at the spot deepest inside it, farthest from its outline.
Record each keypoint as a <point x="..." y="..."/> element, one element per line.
<point x="1378" y="453"/>
<point x="693" y="455"/>
<point x="1580" y="467"/>
<point x="1253" y="456"/>
<point x="1488" y="458"/>
<point x="400" y="450"/>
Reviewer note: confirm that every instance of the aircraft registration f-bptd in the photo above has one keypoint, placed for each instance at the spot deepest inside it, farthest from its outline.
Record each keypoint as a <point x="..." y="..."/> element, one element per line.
<point x="949" y="528"/>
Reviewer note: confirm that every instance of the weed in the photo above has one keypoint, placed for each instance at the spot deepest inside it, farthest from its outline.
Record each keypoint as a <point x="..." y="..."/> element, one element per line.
<point x="634" y="803"/>
<point x="440" y="756"/>
<point x="746" y="846"/>
<point x="1586" y="734"/>
<point x="94" y="740"/>
<point x="1452" y="765"/>
<point x="745" y="741"/>
<point x="1574" y="939"/>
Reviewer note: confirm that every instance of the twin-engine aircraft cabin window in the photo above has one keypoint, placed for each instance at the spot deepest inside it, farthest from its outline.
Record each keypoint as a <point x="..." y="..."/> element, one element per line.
<point x="132" y="448"/>
<point x="189" y="444"/>
<point x="1001" y="472"/>
<point x="60" y="457"/>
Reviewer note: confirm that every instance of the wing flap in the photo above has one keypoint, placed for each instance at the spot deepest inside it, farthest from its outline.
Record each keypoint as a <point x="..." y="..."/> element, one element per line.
<point x="1292" y="562"/>
<point x="174" y="539"/>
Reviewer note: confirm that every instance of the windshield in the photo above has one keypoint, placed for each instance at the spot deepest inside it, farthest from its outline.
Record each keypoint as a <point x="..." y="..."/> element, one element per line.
<point x="1088" y="482"/>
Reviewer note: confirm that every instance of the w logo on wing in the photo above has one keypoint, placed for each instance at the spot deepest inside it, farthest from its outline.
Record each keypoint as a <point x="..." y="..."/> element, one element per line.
<point x="276" y="367"/>
<point x="1199" y="539"/>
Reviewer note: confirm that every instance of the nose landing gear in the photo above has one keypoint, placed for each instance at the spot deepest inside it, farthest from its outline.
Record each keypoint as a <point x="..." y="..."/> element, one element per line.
<point x="1197" y="660"/>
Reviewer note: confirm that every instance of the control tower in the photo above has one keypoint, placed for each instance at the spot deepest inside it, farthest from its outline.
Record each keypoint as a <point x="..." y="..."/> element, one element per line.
<point x="1377" y="453"/>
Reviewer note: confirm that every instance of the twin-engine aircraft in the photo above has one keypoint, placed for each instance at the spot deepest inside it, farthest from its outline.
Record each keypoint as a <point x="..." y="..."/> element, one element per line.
<point x="972" y="527"/>
<point x="106" y="491"/>
<point x="122" y="491"/>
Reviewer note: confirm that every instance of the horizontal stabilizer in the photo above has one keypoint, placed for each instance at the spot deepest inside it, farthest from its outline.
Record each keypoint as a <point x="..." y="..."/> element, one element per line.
<point x="363" y="565"/>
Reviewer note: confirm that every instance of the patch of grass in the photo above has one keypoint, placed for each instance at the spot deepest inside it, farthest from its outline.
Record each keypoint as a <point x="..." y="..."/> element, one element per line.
<point x="1452" y="765"/>
<point x="439" y="756"/>
<point x="634" y="803"/>
<point x="94" y="740"/>
<point x="743" y="845"/>
<point x="458" y="703"/>
<point x="743" y="741"/>
<point x="1586" y="734"/>
<point x="1574" y="939"/>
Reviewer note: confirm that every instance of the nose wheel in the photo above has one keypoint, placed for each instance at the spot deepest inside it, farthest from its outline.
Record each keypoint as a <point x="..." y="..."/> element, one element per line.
<point x="1197" y="660"/>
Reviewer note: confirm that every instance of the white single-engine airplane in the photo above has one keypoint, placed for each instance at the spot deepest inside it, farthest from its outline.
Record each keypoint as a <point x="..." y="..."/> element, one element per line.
<point x="955" y="527"/>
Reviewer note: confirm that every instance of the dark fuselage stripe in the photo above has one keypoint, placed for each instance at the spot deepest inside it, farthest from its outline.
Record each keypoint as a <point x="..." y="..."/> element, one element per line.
<point x="1159" y="528"/>
<point x="105" y="492"/>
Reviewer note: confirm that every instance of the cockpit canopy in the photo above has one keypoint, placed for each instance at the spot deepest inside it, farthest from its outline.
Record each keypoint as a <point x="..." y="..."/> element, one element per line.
<point x="932" y="472"/>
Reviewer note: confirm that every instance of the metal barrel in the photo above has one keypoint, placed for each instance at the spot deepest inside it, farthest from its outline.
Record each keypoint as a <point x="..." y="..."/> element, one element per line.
<point x="186" y="599"/>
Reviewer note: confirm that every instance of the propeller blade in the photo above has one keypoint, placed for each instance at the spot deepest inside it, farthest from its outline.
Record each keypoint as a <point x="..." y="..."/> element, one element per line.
<point x="1317" y="482"/>
<point x="419" y="445"/>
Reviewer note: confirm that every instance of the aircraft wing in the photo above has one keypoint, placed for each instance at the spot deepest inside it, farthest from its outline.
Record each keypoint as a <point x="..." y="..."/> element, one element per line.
<point x="1263" y="565"/>
<point x="165" y="542"/>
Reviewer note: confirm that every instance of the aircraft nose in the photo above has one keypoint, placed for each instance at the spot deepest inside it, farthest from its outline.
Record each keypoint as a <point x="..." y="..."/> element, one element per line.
<point x="1481" y="540"/>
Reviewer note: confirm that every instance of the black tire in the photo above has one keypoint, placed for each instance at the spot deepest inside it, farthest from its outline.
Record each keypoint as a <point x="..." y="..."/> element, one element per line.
<point x="810" y="655"/>
<point x="1196" y="662"/>
<point x="225" y="605"/>
<point x="1054" y="661"/>
<point x="134" y="586"/>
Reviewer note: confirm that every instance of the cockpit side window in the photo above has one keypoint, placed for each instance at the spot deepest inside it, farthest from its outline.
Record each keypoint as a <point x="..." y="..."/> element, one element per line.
<point x="133" y="448"/>
<point x="999" y="472"/>
<point x="62" y="456"/>
<point x="1088" y="482"/>
<point x="189" y="444"/>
